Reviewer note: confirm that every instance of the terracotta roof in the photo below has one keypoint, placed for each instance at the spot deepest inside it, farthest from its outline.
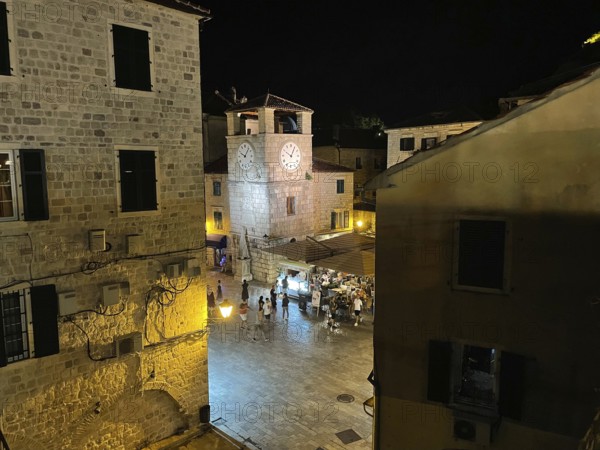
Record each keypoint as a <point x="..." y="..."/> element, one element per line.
<point x="458" y="115"/>
<point x="188" y="6"/>
<point x="217" y="166"/>
<point x="320" y="165"/>
<point x="269" y="101"/>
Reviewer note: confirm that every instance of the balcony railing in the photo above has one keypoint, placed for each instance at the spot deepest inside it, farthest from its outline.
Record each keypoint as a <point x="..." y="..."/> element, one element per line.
<point x="591" y="441"/>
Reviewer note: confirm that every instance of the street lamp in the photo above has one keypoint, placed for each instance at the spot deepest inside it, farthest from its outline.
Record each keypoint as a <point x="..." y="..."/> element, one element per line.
<point x="359" y="224"/>
<point x="225" y="308"/>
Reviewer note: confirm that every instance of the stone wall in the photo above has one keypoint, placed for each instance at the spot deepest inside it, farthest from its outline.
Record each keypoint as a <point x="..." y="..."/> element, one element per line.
<point x="347" y="158"/>
<point x="59" y="100"/>
<point x="328" y="200"/>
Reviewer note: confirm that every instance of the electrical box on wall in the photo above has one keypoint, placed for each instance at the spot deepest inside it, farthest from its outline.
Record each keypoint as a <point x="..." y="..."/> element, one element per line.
<point x="134" y="244"/>
<point x="110" y="294"/>
<point x="173" y="270"/>
<point x="67" y="303"/>
<point x="192" y="267"/>
<point x="130" y="343"/>
<point x="97" y="240"/>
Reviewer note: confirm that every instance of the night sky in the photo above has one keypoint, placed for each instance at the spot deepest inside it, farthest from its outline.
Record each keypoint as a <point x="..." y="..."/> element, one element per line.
<point x="393" y="59"/>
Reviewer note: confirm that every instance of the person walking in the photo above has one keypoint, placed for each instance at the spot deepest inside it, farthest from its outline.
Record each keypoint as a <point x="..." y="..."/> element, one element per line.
<point x="358" y="304"/>
<point x="267" y="308"/>
<point x="331" y="313"/>
<point x="285" y="301"/>
<point x="245" y="295"/>
<point x="219" y="292"/>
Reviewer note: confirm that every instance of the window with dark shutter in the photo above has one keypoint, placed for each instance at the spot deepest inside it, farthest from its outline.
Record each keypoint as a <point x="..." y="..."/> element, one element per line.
<point x="512" y="385"/>
<point x="333" y="220"/>
<point x="407" y="143"/>
<point x="33" y="177"/>
<point x="340" y="186"/>
<point x="44" y="315"/>
<point x="427" y="143"/>
<point x="138" y="180"/>
<point x="481" y="253"/>
<point x="439" y="371"/>
<point x="131" y="58"/>
<point x="4" y="41"/>
<point x="358" y="162"/>
<point x="216" y="188"/>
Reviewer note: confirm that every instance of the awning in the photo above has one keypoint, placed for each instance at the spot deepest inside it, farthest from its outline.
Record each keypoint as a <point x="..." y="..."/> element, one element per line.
<point x="311" y="250"/>
<point x="216" y="241"/>
<point x="358" y="262"/>
<point x="296" y="265"/>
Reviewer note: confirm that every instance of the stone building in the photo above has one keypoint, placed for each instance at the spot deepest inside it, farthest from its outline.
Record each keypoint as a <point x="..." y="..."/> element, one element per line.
<point x="487" y="330"/>
<point x="272" y="189"/>
<point x="101" y="224"/>
<point x="423" y="132"/>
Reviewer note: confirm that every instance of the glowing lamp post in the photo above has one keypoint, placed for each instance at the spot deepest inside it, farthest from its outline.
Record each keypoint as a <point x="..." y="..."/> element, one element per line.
<point x="225" y="308"/>
<point x="359" y="224"/>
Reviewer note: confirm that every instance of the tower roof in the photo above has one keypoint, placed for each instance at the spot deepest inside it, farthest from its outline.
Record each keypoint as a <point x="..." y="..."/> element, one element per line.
<point x="269" y="101"/>
<point x="187" y="6"/>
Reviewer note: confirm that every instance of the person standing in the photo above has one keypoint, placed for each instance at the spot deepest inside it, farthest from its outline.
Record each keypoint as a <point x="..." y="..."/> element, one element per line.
<point x="219" y="292"/>
<point x="243" y="311"/>
<point x="358" y="304"/>
<point x="258" y="326"/>
<point x="267" y="307"/>
<point x="245" y="295"/>
<point x="284" y="285"/>
<point x="211" y="302"/>
<point x="285" y="301"/>
<point x="273" y="295"/>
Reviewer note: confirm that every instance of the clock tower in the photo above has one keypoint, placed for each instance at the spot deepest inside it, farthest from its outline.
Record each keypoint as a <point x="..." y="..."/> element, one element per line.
<point x="269" y="156"/>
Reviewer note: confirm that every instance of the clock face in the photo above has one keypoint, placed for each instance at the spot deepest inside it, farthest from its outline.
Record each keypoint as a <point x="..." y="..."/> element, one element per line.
<point x="290" y="156"/>
<point x="245" y="156"/>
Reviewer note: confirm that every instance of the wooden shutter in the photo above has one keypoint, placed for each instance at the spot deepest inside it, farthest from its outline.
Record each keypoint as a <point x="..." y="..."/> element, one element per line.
<point x="131" y="58"/>
<point x="33" y="177"/>
<point x="481" y="253"/>
<point x="512" y="385"/>
<point x="4" y="47"/>
<point x="44" y="315"/>
<point x="333" y="216"/>
<point x="138" y="180"/>
<point x="439" y="371"/>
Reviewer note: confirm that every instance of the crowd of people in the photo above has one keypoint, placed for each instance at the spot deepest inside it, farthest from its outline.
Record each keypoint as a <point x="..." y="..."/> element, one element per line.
<point x="341" y="296"/>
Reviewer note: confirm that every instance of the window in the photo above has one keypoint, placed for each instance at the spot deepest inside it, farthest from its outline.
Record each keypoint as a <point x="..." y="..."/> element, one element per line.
<point x="4" y="41"/>
<point x="218" y="219"/>
<point x="479" y="377"/>
<point x="358" y="162"/>
<point x="340" y="219"/>
<point x="33" y="180"/>
<point x="377" y="163"/>
<point x="340" y="186"/>
<point x="216" y="188"/>
<point x="137" y="170"/>
<point x="291" y="206"/>
<point x="427" y="143"/>
<point x="480" y="255"/>
<point x="37" y="306"/>
<point x="131" y="58"/>
<point x="33" y="185"/>
<point x="8" y="197"/>
<point x="407" y="143"/>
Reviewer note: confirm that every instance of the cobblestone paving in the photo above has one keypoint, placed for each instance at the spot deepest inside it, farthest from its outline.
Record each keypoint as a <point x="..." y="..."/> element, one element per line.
<point x="282" y="393"/>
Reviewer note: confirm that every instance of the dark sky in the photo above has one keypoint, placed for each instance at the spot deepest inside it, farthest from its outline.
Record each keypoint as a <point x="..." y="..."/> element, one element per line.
<point x="395" y="59"/>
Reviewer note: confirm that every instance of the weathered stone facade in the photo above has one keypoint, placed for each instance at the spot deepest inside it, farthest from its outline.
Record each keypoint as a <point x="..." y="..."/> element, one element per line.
<point x="59" y="99"/>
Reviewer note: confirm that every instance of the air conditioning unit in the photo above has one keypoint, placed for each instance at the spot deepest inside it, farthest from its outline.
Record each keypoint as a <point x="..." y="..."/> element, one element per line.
<point x="173" y="270"/>
<point x="97" y="240"/>
<point x="110" y="294"/>
<point x="191" y="267"/>
<point x="129" y="343"/>
<point x="67" y="303"/>
<point x="472" y="430"/>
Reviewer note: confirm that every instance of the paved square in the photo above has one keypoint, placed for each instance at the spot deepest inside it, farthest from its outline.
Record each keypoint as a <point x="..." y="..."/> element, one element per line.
<point x="282" y="393"/>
